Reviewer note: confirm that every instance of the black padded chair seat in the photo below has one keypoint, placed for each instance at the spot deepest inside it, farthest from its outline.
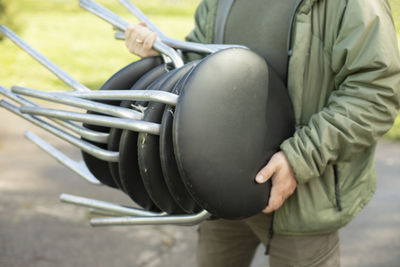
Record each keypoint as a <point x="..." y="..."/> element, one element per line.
<point x="121" y="80"/>
<point x="232" y="115"/>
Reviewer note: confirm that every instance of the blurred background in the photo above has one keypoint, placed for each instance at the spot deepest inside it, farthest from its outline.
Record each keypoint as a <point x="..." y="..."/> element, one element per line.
<point x="75" y="40"/>
<point x="37" y="230"/>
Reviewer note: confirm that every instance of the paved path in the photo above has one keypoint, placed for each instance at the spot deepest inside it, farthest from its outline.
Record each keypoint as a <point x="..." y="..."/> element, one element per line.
<point x="37" y="230"/>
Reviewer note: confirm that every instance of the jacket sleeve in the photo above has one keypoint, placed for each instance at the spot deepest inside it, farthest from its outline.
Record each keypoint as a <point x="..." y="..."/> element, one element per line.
<point x="365" y="102"/>
<point x="203" y="31"/>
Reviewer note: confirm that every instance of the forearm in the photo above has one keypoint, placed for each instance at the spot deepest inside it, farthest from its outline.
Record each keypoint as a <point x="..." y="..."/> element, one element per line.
<point x="365" y="100"/>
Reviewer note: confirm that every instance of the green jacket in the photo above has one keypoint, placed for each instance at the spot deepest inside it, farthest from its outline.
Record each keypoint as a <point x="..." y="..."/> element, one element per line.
<point x="344" y="83"/>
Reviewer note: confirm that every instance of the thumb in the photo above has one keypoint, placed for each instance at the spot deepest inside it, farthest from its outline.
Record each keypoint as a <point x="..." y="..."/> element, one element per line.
<point x="266" y="173"/>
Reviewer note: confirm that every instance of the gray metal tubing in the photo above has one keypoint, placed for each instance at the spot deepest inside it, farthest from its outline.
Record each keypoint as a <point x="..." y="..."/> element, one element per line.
<point x="184" y="220"/>
<point x="88" y="134"/>
<point x="62" y="158"/>
<point x="74" y="84"/>
<point x="132" y="125"/>
<point x="20" y="99"/>
<point x="170" y="52"/>
<point x="17" y="98"/>
<point x="84" y="132"/>
<point x="197" y="47"/>
<point x="142" y="17"/>
<point x="104" y="13"/>
<point x="137" y="95"/>
<point x="119" y="35"/>
<point x="80" y="103"/>
<point x="97" y="7"/>
<point x="121" y="24"/>
<point x="177" y="44"/>
<point x="85" y="146"/>
<point x="97" y="213"/>
<point x="106" y="206"/>
<point x="188" y="46"/>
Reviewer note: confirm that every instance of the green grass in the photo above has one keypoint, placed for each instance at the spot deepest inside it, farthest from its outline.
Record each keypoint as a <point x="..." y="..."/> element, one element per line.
<point x="395" y="4"/>
<point x="394" y="133"/>
<point x="79" y="42"/>
<point x="83" y="45"/>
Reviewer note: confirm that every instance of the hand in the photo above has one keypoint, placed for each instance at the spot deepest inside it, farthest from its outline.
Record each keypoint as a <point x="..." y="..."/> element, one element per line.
<point x="283" y="180"/>
<point x="139" y="40"/>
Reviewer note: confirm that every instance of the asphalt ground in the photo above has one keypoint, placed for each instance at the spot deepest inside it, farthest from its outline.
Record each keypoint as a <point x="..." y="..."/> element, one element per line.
<point x="37" y="230"/>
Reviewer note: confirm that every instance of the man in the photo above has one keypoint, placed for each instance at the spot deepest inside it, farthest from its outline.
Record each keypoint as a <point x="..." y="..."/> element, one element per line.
<point x="342" y="71"/>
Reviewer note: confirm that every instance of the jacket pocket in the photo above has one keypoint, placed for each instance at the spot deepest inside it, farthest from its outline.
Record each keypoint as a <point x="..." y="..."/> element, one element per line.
<point x="337" y="188"/>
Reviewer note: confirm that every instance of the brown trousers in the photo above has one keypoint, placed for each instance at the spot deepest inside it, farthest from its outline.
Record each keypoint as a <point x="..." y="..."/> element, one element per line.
<point x="233" y="243"/>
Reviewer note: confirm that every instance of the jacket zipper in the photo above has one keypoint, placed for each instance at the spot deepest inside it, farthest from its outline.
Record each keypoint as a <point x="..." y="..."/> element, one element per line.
<point x="289" y="39"/>
<point x="337" y="190"/>
<point x="290" y="52"/>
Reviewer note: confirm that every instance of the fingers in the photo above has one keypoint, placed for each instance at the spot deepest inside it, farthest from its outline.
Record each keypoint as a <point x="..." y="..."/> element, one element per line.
<point x="283" y="180"/>
<point x="283" y="186"/>
<point x="148" y="43"/>
<point x="139" y="40"/>
<point x="266" y="173"/>
<point x="275" y="201"/>
<point x="128" y="33"/>
<point x="130" y="38"/>
<point x="280" y="191"/>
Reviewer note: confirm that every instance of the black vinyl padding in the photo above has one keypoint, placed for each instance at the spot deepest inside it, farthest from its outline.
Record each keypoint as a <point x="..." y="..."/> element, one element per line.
<point x="113" y="145"/>
<point x="115" y="134"/>
<point x="232" y="115"/>
<point x="169" y="166"/>
<point x="149" y="153"/>
<point x="121" y="80"/>
<point x="128" y="162"/>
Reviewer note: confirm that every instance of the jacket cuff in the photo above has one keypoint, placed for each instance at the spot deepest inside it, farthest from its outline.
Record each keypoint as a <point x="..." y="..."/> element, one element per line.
<point x="302" y="171"/>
